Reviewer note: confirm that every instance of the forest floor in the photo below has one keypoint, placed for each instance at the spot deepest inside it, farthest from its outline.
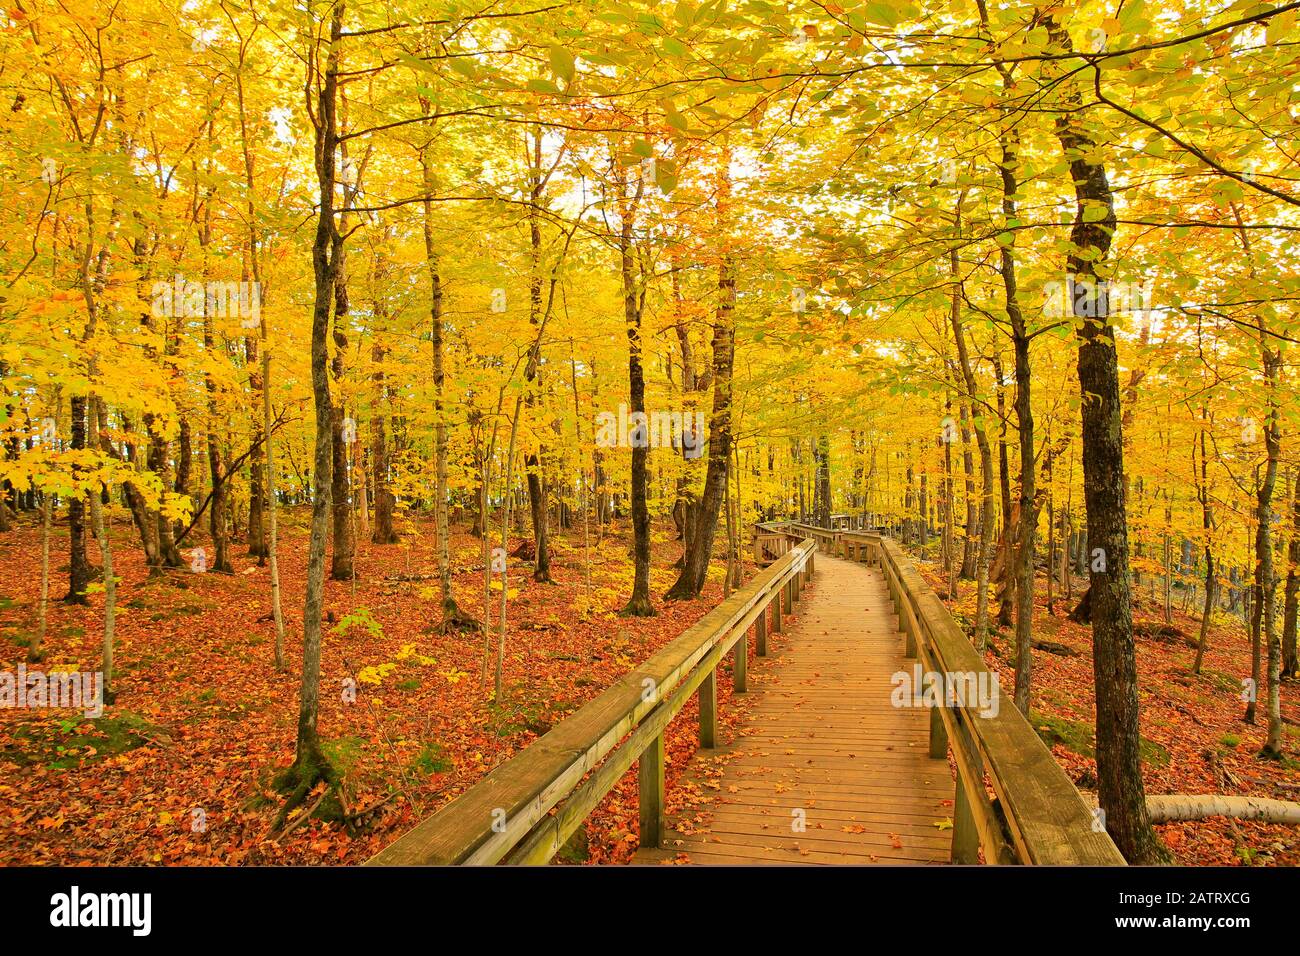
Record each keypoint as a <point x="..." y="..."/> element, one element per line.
<point x="1194" y="738"/>
<point x="179" y="769"/>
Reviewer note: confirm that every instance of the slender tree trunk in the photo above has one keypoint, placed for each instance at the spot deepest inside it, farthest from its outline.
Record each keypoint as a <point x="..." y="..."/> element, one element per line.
<point x="1006" y="574"/>
<point x="638" y="604"/>
<point x="35" y="651"/>
<point x="110" y="580"/>
<point x="690" y="582"/>
<point x="1028" y="526"/>
<point x="980" y="636"/>
<point x="532" y="373"/>
<point x="257" y="544"/>
<point x="1119" y="765"/>
<point x="79" y="569"/>
<point x="1207" y="528"/>
<point x="343" y="554"/>
<point x="310" y="764"/>
<point x="1289" y="615"/>
<point x="452" y="615"/>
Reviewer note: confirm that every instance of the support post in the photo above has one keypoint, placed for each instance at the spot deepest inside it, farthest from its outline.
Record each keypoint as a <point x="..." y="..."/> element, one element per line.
<point x="708" y="694"/>
<point x="760" y="634"/>
<point x="650" y="772"/>
<point x="965" y="836"/>
<point x="938" y="734"/>
<point x="776" y="613"/>
<point x="740" y="664"/>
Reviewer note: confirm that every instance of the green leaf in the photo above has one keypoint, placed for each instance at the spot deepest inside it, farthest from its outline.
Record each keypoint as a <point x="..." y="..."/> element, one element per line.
<point x="674" y="47"/>
<point x="562" y="63"/>
<point x="665" y="175"/>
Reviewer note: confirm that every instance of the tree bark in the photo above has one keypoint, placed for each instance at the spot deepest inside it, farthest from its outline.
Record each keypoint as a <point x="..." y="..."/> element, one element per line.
<point x="690" y="582"/>
<point x="452" y="615"/>
<point x="1119" y="765"/>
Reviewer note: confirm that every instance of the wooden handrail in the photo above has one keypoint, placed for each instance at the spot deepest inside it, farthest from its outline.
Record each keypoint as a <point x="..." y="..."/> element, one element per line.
<point x="507" y="816"/>
<point x="1037" y="816"/>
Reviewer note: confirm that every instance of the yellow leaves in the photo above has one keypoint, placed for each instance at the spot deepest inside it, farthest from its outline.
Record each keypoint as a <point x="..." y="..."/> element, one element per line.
<point x="454" y="676"/>
<point x="511" y="593"/>
<point x="375" y="673"/>
<point x="408" y="652"/>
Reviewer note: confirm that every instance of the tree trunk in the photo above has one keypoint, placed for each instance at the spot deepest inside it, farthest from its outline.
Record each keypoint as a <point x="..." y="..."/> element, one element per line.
<point x="638" y="604"/>
<point x="980" y="636"/>
<point x="452" y="615"/>
<point x="79" y="569"/>
<point x="343" y="555"/>
<point x="310" y="764"/>
<point x="1207" y="528"/>
<point x="690" y="582"/>
<point x="1119" y="765"/>
<point x="1289" y="664"/>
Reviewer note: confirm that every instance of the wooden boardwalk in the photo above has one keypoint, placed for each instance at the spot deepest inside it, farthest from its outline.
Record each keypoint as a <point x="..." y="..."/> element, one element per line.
<point x="824" y="769"/>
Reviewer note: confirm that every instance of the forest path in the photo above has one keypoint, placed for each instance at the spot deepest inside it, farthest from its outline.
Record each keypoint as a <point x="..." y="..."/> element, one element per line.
<point x="824" y="769"/>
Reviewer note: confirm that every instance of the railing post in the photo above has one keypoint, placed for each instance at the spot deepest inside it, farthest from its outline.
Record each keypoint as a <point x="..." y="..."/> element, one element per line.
<point x="938" y="734"/>
<point x="776" y="612"/>
<point x="740" y="663"/>
<point x="965" y="836"/>
<point x="760" y="634"/>
<point x="650" y="772"/>
<point x="708" y="694"/>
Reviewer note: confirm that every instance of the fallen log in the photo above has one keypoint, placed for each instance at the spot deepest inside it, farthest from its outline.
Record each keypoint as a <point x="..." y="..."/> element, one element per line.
<point x="1165" y="808"/>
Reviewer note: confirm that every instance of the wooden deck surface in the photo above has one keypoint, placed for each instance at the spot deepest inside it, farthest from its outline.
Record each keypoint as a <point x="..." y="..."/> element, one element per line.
<point x="822" y="748"/>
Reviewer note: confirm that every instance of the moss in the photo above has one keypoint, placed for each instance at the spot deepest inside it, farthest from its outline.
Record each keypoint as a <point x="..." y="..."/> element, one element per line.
<point x="1079" y="737"/>
<point x="343" y="752"/>
<point x="575" y="849"/>
<point x="1221" y="681"/>
<point x="516" y="718"/>
<point x="1230" y="740"/>
<point x="410" y="684"/>
<point x="76" y="741"/>
<point x="431" y="759"/>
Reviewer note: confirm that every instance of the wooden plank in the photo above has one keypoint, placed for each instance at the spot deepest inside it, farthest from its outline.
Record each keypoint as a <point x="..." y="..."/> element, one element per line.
<point x="650" y="774"/>
<point x="708" y="694"/>
<point x="833" y="772"/>
<point x="1049" y="821"/>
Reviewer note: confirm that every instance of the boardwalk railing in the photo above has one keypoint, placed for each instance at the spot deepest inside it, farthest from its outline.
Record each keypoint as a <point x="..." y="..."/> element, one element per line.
<point x="507" y="816"/>
<point x="1035" y="814"/>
